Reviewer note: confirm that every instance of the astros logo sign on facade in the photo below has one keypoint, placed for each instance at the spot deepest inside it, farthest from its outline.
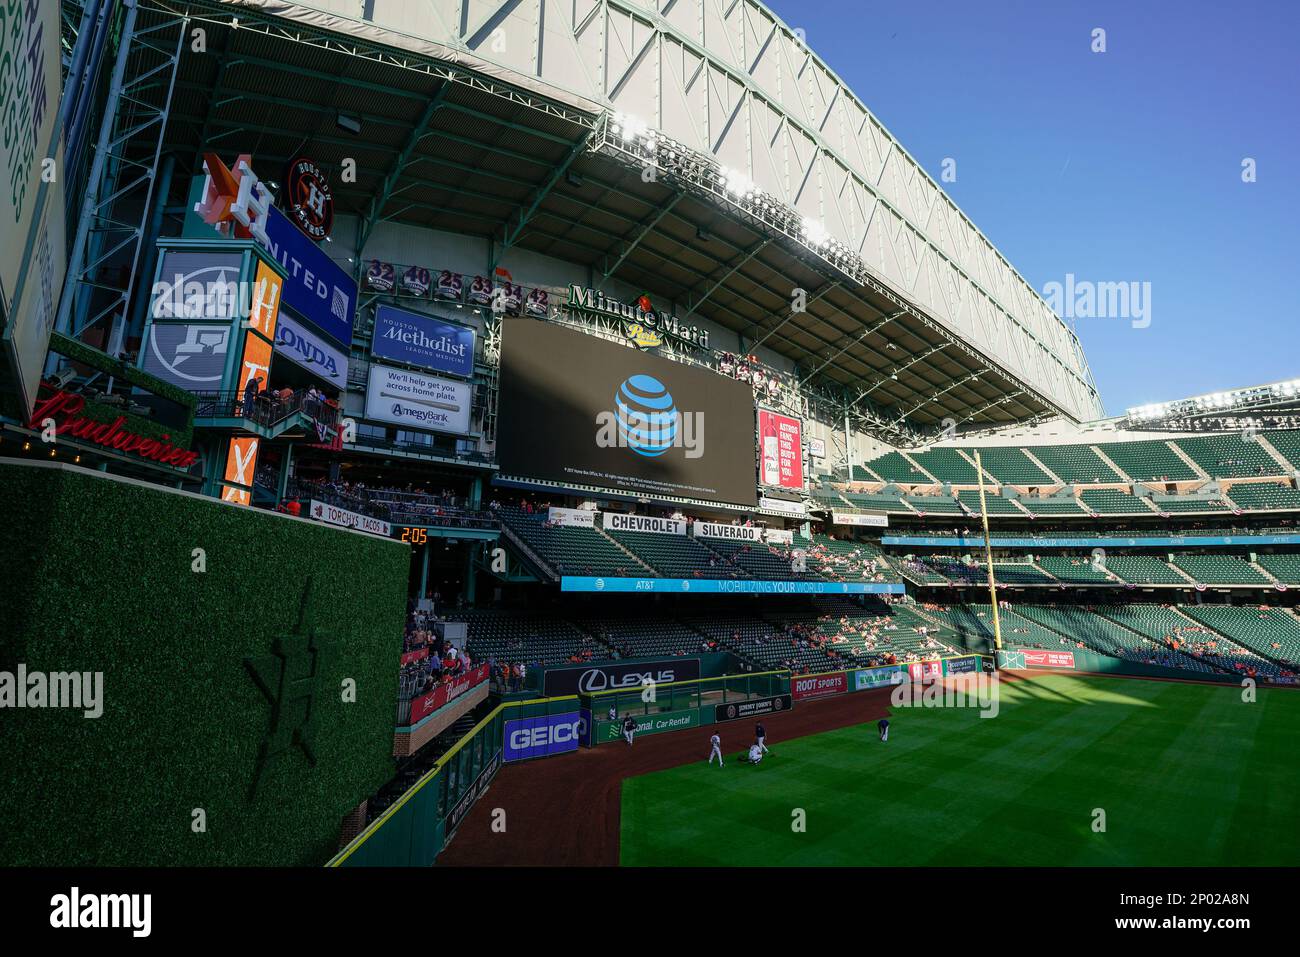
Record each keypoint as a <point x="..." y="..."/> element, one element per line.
<point x="311" y="204"/>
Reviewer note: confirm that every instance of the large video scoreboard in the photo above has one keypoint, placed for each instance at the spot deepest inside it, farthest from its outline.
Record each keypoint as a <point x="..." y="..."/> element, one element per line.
<point x="580" y="410"/>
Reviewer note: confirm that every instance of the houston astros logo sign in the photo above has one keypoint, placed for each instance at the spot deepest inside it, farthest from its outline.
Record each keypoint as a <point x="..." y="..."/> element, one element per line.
<point x="311" y="204"/>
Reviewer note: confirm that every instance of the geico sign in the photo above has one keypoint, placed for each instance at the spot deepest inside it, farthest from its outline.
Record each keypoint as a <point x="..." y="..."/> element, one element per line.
<point x="543" y="737"/>
<point x="597" y="680"/>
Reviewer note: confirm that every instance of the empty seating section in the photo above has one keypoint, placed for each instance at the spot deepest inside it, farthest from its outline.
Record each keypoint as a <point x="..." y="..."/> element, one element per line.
<point x="1073" y="569"/>
<point x="1264" y="496"/>
<point x="1053" y="506"/>
<point x="1229" y="456"/>
<point x="828" y="497"/>
<point x="996" y="504"/>
<point x="1075" y="463"/>
<point x="878" y="503"/>
<point x="1189" y="505"/>
<point x="568" y="550"/>
<point x="645" y="636"/>
<point x="893" y="467"/>
<point x="1285" y="567"/>
<point x="947" y="465"/>
<point x="1109" y="637"/>
<point x="541" y="639"/>
<point x="1143" y="570"/>
<point x="1109" y="501"/>
<point x="934" y="504"/>
<point x="675" y="556"/>
<point x="1020" y="573"/>
<point x="756" y="560"/>
<point x="1012" y="467"/>
<point x="1220" y="570"/>
<point x="972" y="628"/>
<point x="1149" y="461"/>
<point x="1273" y="633"/>
<point x="1287" y="443"/>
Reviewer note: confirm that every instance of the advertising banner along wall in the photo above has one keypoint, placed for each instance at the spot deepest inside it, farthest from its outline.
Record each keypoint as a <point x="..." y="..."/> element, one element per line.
<point x="1048" y="659"/>
<point x="734" y="533"/>
<point x="781" y="448"/>
<point x="545" y="735"/>
<point x="580" y="410"/>
<point x="425" y="341"/>
<point x="867" y="678"/>
<point x="316" y="287"/>
<point x="324" y="512"/>
<point x="853" y="518"/>
<point x="571" y="517"/>
<point x="417" y="401"/>
<point x="617" y="675"/>
<point x="307" y="348"/>
<point x="607" y="731"/>
<point x="619" y="522"/>
<point x="803" y="687"/>
<point x="427" y="704"/>
<point x="755" y="707"/>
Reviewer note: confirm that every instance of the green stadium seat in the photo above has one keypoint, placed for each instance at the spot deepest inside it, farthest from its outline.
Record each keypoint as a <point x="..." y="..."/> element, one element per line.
<point x="1229" y="456"/>
<point x="1075" y="464"/>
<point x="1010" y="466"/>
<point x="947" y="465"/>
<point x="1148" y="461"/>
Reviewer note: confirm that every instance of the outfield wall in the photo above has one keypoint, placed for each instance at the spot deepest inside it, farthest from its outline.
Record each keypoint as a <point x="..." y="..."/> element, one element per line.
<point x="249" y="672"/>
<point x="415" y="829"/>
<point x="1086" y="660"/>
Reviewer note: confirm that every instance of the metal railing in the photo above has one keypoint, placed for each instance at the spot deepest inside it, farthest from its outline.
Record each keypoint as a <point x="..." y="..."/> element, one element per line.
<point x="266" y="409"/>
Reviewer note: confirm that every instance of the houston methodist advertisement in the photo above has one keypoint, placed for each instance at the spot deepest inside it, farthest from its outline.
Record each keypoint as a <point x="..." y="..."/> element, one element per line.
<point x="580" y="410"/>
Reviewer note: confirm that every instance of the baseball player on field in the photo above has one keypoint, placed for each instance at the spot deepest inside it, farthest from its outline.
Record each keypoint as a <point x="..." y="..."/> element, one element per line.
<point x="755" y="754"/>
<point x="715" y="749"/>
<point x="629" y="728"/>
<point x="883" y="725"/>
<point x="760" y="737"/>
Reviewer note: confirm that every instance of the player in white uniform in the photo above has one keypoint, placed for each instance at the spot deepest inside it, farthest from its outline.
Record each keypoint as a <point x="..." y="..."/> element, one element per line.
<point x="755" y="754"/>
<point x="715" y="749"/>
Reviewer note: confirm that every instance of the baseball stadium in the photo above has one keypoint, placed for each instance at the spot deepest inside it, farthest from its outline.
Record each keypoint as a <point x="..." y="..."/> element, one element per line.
<point x="530" y="433"/>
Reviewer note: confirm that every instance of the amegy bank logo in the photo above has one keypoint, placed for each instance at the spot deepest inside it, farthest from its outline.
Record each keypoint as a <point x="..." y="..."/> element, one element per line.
<point x="646" y="420"/>
<point x="1085" y="299"/>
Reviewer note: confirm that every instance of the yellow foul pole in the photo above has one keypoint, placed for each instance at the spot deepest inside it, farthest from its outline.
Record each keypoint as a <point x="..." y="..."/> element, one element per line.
<point x="988" y="554"/>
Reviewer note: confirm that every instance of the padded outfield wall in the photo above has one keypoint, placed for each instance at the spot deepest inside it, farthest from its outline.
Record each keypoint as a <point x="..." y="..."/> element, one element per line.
<point x="226" y="683"/>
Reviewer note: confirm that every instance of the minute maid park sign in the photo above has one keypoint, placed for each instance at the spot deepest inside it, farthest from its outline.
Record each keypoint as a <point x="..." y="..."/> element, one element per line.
<point x="641" y="323"/>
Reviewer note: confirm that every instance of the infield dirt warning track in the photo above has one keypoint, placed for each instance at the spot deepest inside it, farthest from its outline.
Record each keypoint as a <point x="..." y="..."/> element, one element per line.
<point x="564" y="811"/>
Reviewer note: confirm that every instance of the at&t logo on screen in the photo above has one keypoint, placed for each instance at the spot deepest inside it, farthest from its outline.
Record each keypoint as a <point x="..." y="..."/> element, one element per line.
<point x="646" y="420"/>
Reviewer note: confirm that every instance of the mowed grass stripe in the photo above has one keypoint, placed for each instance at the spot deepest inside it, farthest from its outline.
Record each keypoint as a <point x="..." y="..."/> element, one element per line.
<point x="1185" y="774"/>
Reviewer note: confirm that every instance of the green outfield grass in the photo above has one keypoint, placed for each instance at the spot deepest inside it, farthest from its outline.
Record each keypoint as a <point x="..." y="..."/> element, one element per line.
<point x="1186" y="774"/>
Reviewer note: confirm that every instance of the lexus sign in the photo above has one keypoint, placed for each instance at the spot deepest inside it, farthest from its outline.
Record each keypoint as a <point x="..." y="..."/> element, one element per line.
<point x="617" y="676"/>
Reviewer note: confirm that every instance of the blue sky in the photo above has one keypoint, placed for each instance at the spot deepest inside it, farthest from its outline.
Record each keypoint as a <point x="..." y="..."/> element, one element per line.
<point x="1122" y="166"/>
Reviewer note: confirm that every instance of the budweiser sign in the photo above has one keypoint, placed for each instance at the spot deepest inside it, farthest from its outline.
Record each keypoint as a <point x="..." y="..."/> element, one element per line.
<point x="64" y="410"/>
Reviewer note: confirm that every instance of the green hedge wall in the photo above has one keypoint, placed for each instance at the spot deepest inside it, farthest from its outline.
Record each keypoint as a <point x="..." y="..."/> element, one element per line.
<point x="99" y="577"/>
